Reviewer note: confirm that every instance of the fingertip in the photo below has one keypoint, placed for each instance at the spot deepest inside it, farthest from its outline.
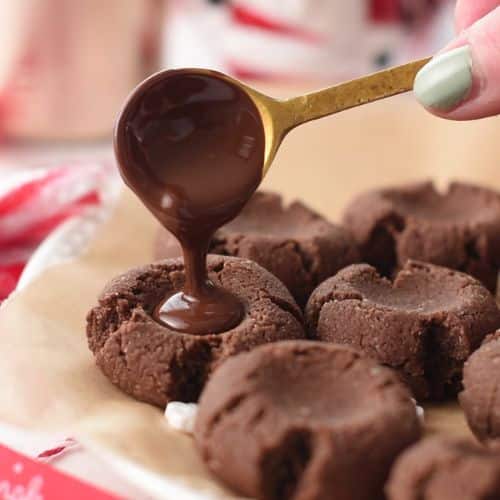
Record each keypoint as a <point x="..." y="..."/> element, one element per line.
<point x="463" y="81"/>
<point x="446" y="81"/>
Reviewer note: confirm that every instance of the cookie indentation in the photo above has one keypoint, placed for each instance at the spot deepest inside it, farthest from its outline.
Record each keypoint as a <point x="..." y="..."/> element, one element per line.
<point x="458" y="228"/>
<point x="309" y="416"/>
<point x="157" y="365"/>
<point x="425" y="323"/>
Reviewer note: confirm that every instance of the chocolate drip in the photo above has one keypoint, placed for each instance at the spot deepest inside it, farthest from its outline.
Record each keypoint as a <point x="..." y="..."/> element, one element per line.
<point x="191" y="146"/>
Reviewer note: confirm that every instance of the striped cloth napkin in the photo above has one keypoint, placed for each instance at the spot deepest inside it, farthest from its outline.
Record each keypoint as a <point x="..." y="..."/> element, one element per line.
<point x="34" y="203"/>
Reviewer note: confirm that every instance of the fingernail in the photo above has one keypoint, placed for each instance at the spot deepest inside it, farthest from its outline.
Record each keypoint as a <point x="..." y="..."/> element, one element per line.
<point x="445" y="81"/>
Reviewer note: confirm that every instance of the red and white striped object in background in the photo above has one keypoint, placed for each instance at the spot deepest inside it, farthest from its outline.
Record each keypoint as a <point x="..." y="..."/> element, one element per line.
<point x="34" y="203"/>
<point x="297" y="40"/>
<point x="76" y="463"/>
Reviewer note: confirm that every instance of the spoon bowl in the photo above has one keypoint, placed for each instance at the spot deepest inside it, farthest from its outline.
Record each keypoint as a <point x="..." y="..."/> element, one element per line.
<point x="191" y="145"/>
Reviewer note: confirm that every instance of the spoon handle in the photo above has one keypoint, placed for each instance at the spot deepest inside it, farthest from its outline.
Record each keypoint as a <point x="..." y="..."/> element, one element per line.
<point x="354" y="93"/>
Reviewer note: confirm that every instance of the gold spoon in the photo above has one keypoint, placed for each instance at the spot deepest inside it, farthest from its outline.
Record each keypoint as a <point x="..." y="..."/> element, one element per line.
<point x="174" y="111"/>
<point x="281" y="116"/>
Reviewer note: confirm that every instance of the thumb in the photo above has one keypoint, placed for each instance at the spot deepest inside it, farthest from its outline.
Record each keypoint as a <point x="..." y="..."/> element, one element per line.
<point x="463" y="81"/>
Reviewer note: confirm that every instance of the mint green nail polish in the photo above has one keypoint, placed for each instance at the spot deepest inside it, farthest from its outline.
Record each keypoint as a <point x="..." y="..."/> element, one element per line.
<point x="446" y="81"/>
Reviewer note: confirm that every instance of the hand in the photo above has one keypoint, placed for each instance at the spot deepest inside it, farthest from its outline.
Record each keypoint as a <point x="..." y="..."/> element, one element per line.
<point x="462" y="82"/>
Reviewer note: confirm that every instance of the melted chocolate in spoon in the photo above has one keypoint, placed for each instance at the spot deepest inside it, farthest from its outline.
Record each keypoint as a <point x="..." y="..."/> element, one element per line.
<point x="191" y="147"/>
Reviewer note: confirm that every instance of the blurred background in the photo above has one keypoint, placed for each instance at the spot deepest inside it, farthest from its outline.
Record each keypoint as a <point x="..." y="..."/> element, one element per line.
<point x="66" y="67"/>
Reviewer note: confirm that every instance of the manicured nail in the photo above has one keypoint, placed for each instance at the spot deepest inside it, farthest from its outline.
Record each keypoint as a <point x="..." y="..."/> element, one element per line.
<point x="446" y="81"/>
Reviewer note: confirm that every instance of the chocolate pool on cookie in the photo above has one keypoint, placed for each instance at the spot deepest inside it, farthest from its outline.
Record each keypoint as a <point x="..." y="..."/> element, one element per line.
<point x="156" y="364"/>
<point x="304" y="420"/>
<point x="296" y="244"/>
<point x="459" y="228"/>
<point x="445" y="468"/>
<point x="424" y="324"/>
<point x="480" y="398"/>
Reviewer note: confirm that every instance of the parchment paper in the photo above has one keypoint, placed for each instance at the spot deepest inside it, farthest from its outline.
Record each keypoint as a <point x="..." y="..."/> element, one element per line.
<point x="48" y="377"/>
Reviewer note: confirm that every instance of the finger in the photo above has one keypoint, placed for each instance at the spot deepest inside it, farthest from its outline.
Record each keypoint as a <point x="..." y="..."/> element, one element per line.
<point x="463" y="81"/>
<point x="467" y="12"/>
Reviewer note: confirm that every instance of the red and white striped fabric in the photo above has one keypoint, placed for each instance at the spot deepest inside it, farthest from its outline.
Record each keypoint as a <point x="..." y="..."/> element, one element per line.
<point x="33" y="203"/>
<point x="296" y="40"/>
